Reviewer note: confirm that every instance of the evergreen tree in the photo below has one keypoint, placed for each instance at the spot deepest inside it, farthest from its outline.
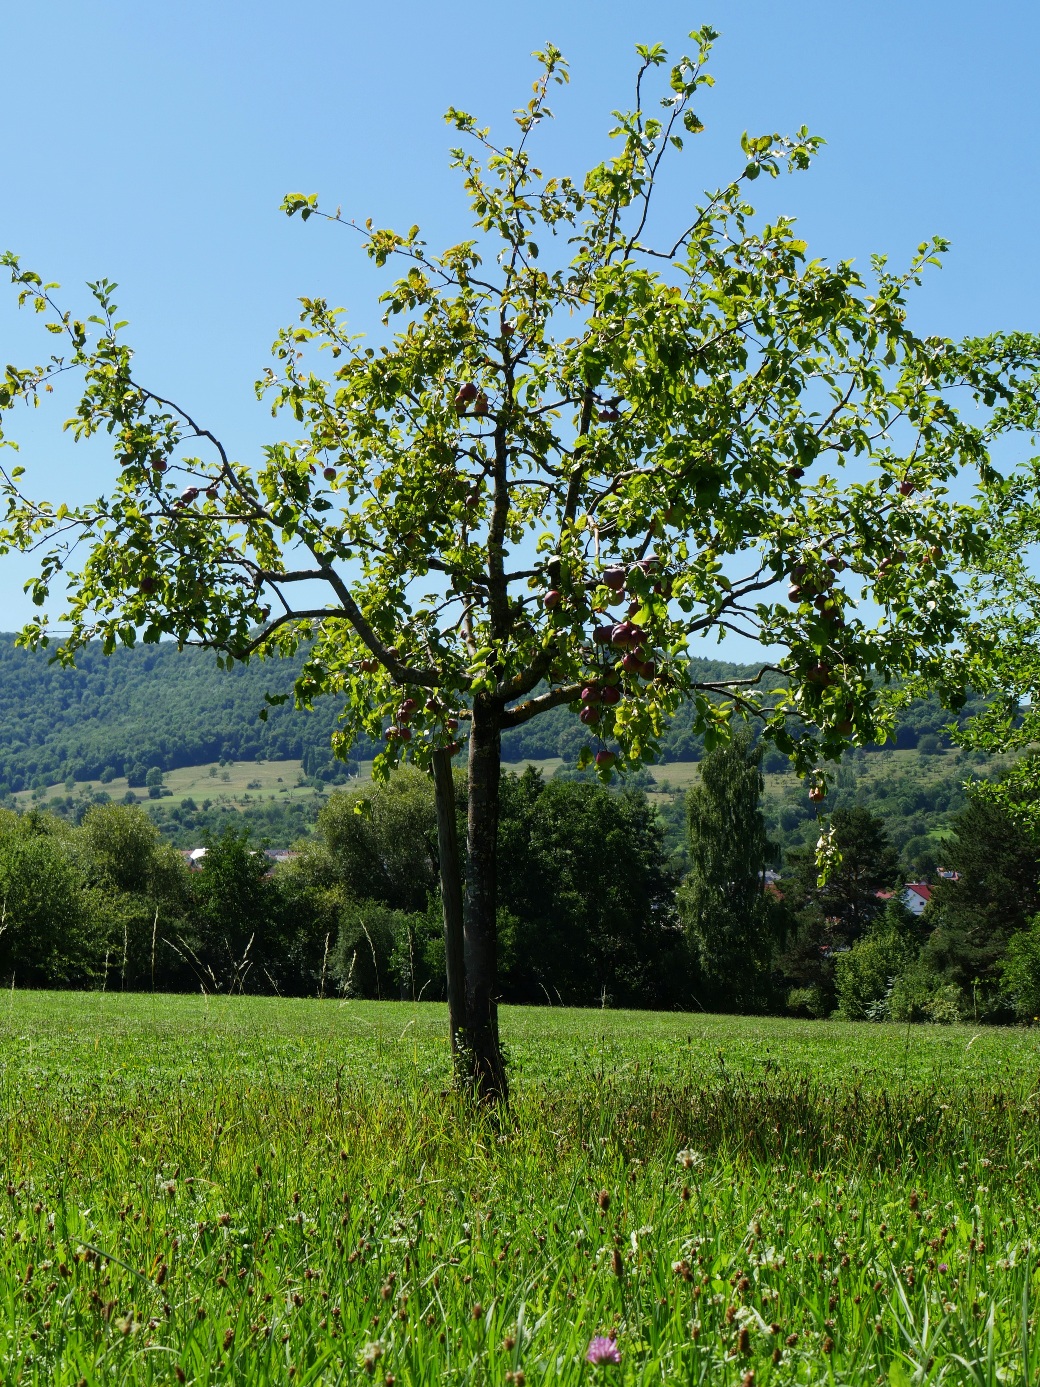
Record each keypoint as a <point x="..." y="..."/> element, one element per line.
<point x="830" y="917"/>
<point x="996" y="895"/>
<point x="849" y="898"/>
<point x="730" y="921"/>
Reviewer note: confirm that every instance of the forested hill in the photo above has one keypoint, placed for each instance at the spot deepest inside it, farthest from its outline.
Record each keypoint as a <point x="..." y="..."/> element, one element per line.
<point x="153" y="705"/>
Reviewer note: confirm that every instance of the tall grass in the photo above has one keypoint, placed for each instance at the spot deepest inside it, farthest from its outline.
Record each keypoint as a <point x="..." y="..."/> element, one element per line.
<point x="260" y="1192"/>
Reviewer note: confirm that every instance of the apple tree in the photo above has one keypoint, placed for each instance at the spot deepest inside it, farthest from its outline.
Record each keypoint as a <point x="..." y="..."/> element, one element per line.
<point x="999" y="653"/>
<point x="576" y="451"/>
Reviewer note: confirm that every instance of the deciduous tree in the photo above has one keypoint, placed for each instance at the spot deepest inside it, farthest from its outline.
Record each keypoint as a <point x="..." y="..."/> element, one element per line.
<point x="578" y="448"/>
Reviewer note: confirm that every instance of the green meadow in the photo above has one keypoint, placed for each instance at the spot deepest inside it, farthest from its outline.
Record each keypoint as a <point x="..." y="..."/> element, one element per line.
<point x="239" y="1190"/>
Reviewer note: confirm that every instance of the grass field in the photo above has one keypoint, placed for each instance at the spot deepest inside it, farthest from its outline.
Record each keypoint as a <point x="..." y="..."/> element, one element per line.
<point x="238" y="783"/>
<point x="260" y="1191"/>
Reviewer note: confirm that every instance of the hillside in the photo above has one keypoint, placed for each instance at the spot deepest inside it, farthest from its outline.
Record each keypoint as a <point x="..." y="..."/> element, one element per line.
<point x="151" y="705"/>
<point x="156" y="706"/>
<point x="68" y="736"/>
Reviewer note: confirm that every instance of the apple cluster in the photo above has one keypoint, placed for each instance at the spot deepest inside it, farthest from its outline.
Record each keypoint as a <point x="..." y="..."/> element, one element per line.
<point x="624" y="650"/>
<point x="472" y="400"/>
<point x="443" y="723"/>
<point x="814" y="583"/>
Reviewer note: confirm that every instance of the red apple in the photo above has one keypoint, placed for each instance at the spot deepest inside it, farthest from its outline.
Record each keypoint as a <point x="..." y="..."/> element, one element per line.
<point x="794" y="593"/>
<point x="467" y="394"/>
<point x="820" y="674"/>
<point x="647" y="669"/>
<point x="147" y="585"/>
<point x="158" y="464"/>
<point x="906" y="488"/>
<point x="189" y="494"/>
<point x="614" y="578"/>
<point x="796" y="473"/>
<point x="404" y="734"/>
<point x="818" y="794"/>
<point x="626" y="634"/>
<point x="551" y="600"/>
<point x="605" y="759"/>
<point x="631" y="663"/>
<point x="451" y="724"/>
<point x="453" y="748"/>
<point x="601" y="635"/>
<point x="591" y="694"/>
<point x="610" y="695"/>
<point x="480" y="405"/>
<point x="589" y="715"/>
<point x="329" y="474"/>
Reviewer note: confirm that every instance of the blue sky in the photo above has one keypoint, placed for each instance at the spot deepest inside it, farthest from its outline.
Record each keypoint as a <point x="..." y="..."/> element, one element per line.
<point x="152" y="144"/>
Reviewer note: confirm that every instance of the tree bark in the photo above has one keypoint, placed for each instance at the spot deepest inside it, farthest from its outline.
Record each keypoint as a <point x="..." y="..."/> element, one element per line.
<point x="483" y="1050"/>
<point x="451" y="898"/>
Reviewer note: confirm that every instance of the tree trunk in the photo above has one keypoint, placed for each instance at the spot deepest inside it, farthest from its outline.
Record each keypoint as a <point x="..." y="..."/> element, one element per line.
<point x="451" y="898"/>
<point x="484" y="1053"/>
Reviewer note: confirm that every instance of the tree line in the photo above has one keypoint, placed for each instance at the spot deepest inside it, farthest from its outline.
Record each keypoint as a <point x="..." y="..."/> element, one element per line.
<point x="593" y="908"/>
<point x="160" y="708"/>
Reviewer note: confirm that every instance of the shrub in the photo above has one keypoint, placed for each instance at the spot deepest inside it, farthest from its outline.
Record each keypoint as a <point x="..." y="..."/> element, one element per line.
<point x="864" y="975"/>
<point x="382" y="952"/>
<point x="918" y="995"/>
<point x="1020" y="970"/>
<point x="808" y="1002"/>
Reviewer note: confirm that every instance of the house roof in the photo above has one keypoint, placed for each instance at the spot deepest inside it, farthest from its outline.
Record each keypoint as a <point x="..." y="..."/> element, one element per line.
<point x="920" y="888"/>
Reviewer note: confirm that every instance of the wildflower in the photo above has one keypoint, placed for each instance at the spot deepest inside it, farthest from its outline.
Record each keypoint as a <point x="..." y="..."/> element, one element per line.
<point x="943" y="1267"/>
<point x="603" y="1350"/>
<point x="370" y="1355"/>
<point x="688" y="1158"/>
